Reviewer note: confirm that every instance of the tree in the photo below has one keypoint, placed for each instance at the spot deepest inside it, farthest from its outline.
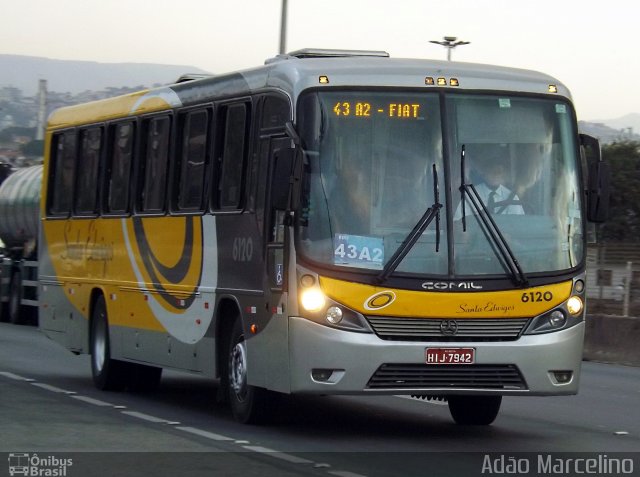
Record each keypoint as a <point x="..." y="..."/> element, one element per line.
<point x="7" y="135"/>
<point x="33" y="148"/>
<point x="624" y="211"/>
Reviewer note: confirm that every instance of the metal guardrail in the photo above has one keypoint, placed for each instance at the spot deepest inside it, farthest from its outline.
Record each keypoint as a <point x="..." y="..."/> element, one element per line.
<point x="613" y="279"/>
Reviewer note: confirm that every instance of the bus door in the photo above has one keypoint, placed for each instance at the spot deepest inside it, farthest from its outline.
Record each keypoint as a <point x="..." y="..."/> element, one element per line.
<point x="275" y="233"/>
<point x="275" y="272"/>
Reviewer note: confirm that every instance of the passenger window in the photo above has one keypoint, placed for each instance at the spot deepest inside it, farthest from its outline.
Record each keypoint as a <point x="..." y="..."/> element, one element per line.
<point x="155" y="165"/>
<point x="192" y="161"/>
<point x="87" y="171"/>
<point x="232" y="162"/>
<point x="118" y="174"/>
<point x="63" y="167"/>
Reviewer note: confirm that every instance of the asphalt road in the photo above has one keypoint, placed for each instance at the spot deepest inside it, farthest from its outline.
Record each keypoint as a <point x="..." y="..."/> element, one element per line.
<point x="48" y="406"/>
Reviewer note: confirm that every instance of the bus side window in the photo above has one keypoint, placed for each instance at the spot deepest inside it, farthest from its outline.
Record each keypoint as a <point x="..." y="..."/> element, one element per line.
<point x="232" y="156"/>
<point x="192" y="161"/>
<point x="275" y="111"/>
<point x="119" y="161"/>
<point x="155" y="162"/>
<point x="87" y="171"/>
<point x="62" y="178"/>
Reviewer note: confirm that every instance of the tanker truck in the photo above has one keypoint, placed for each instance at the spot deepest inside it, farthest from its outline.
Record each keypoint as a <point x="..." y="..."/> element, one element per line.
<point x="19" y="219"/>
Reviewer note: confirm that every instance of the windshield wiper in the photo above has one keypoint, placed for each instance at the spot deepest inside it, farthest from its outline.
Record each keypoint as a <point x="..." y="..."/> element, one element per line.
<point x="407" y="244"/>
<point x="509" y="258"/>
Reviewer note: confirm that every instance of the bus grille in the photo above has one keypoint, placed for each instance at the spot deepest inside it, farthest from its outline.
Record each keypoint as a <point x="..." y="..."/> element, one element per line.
<point x="419" y="329"/>
<point x="423" y="376"/>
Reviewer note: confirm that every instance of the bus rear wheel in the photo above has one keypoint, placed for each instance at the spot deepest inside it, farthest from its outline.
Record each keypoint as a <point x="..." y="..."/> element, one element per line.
<point x="108" y="374"/>
<point x="15" y="298"/>
<point x="249" y="404"/>
<point x="474" y="410"/>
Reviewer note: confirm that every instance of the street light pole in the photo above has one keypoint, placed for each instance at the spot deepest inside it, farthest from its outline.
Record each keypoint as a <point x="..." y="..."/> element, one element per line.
<point x="450" y="42"/>
<point x="283" y="28"/>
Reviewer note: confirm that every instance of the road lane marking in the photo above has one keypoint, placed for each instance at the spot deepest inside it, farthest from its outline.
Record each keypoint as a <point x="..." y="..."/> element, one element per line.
<point x="202" y="433"/>
<point x="54" y="389"/>
<point x="206" y="434"/>
<point x="95" y="402"/>
<point x="9" y="375"/>
<point x="344" y="473"/>
<point x="279" y="455"/>
<point x="145" y="417"/>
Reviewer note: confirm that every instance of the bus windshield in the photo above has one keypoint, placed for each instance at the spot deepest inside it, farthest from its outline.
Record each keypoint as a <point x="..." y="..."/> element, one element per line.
<point x="375" y="160"/>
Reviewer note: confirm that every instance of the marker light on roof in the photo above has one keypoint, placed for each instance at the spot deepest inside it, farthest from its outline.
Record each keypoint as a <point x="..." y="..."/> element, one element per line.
<point x="323" y="79"/>
<point x="553" y="88"/>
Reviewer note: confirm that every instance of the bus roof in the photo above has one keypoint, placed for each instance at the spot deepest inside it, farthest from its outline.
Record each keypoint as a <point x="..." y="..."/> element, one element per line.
<point x="305" y="69"/>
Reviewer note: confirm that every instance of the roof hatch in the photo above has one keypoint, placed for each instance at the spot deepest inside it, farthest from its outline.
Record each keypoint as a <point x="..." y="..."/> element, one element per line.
<point x="326" y="53"/>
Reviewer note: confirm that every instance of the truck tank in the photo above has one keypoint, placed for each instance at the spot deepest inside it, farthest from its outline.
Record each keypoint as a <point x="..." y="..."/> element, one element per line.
<point x="20" y="206"/>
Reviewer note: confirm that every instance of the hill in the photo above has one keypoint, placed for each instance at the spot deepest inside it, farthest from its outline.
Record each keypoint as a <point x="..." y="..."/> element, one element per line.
<point x="627" y="121"/>
<point x="65" y="76"/>
<point x="613" y="130"/>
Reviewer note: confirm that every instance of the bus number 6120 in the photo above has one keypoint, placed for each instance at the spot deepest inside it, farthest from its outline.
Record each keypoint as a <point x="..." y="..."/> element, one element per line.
<point x="536" y="296"/>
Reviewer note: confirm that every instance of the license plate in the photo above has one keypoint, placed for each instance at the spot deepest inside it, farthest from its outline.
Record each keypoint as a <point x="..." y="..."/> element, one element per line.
<point x="450" y="355"/>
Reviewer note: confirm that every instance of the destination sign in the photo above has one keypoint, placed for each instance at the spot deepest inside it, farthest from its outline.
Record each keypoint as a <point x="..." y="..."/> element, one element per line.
<point x="364" y="109"/>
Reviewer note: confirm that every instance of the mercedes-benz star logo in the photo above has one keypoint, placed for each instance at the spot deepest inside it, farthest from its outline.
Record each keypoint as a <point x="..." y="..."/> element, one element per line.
<point x="448" y="327"/>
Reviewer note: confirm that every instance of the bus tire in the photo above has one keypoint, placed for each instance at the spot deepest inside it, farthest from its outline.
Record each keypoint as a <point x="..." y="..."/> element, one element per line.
<point x="108" y="374"/>
<point x="15" y="298"/>
<point x="248" y="403"/>
<point x="474" y="410"/>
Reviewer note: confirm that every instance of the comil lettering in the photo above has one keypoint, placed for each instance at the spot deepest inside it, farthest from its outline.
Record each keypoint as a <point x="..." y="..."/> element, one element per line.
<point x="451" y="286"/>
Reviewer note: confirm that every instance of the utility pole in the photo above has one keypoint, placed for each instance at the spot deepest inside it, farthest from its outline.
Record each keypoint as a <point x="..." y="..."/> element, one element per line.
<point x="450" y="42"/>
<point x="283" y="28"/>
<point x="42" y="109"/>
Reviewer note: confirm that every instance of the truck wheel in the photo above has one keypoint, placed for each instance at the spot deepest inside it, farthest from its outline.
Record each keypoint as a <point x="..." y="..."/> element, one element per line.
<point x="15" y="298"/>
<point x="108" y="374"/>
<point x="474" y="410"/>
<point x="248" y="403"/>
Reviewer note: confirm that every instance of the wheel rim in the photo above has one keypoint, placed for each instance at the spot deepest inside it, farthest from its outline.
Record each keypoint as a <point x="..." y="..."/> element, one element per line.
<point x="238" y="370"/>
<point x="99" y="345"/>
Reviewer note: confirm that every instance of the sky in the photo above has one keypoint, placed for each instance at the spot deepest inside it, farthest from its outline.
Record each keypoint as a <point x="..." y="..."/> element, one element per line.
<point x="592" y="47"/>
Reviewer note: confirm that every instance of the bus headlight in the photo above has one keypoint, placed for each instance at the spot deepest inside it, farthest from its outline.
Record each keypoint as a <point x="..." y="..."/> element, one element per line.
<point x="575" y="305"/>
<point x="557" y="319"/>
<point x="312" y="299"/>
<point x="334" y="315"/>
<point x="315" y="306"/>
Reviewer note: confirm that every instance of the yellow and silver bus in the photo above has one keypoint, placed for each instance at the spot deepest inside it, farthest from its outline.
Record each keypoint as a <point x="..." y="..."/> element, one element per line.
<point x="332" y="222"/>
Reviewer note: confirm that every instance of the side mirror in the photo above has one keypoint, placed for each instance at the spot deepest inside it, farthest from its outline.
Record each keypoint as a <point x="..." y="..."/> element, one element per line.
<point x="598" y="180"/>
<point x="598" y="191"/>
<point x="281" y="179"/>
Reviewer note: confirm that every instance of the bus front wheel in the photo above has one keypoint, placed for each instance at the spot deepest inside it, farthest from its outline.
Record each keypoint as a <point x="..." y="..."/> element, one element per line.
<point x="248" y="403"/>
<point x="108" y="374"/>
<point x="474" y="410"/>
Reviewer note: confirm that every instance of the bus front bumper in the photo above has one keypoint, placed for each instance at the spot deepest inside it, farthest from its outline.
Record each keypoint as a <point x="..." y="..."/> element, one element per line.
<point x="325" y="360"/>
